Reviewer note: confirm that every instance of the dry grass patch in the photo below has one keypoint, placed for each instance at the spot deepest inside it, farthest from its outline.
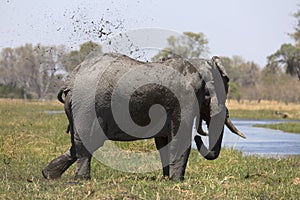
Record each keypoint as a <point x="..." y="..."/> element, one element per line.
<point x="266" y="109"/>
<point x="262" y="105"/>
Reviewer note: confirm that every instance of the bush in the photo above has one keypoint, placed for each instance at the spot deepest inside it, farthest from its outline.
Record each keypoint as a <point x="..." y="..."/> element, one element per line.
<point x="234" y="91"/>
<point x="12" y="92"/>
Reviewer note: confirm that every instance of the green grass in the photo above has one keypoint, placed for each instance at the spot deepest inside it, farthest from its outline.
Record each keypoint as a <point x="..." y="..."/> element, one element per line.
<point x="287" y="127"/>
<point x="29" y="139"/>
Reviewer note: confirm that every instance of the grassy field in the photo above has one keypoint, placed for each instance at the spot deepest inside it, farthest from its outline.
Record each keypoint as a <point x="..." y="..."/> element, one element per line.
<point x="30" y="138"/>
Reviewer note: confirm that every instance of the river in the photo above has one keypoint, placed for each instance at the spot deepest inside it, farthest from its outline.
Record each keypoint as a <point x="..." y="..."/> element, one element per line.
<point x="262" y="141"/>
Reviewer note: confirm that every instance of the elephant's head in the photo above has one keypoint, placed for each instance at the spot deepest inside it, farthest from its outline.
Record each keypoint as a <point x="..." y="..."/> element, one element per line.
<point x="210" y="109"/>
<point x="201" y="75"/>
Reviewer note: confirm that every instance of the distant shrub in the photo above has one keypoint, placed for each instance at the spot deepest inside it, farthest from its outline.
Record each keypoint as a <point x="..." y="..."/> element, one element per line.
<point x="234" y="91"/>
<point x="12" y="92"/>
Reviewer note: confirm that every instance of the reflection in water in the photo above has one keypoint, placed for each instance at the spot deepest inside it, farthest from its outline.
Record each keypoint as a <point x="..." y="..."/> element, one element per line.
<point x="261" y="141"/>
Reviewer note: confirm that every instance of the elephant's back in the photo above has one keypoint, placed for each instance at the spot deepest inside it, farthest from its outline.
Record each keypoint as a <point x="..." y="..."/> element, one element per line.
<point x="128" y="78"/>
<point x="129" y="84"/>
<point x="111" y="76"/>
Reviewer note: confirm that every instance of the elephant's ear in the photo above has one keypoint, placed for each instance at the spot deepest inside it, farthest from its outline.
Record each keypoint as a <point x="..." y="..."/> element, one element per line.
<point x="220" y="66"/>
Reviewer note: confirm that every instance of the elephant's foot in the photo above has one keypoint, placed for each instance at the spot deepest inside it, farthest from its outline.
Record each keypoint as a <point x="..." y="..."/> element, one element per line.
<point x="82" y="177"/>
<point x="58" y="166"/>
<point x="83" y="169"/>
<point x="84" y="158"/>
<point x="176" y="173"/>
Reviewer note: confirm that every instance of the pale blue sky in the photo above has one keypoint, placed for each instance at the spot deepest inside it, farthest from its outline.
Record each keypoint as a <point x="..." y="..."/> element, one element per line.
<point x="252" y="29"/>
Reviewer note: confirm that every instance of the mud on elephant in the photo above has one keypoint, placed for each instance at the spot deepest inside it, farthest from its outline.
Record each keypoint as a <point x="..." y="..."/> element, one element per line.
<point x="108" y="97"/>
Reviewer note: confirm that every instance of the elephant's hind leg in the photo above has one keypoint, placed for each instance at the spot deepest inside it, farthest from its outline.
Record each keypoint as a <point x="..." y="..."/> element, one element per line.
<point x="60" y="164"/>
<point x="84" y="157"/>
<point x="85" y="147"/>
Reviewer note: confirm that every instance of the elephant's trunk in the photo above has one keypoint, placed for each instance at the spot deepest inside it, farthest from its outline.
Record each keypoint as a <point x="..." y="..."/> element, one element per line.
<point x="233" y="129"/>
<point x="209" y="154"/>
<point x="216" y="129"/>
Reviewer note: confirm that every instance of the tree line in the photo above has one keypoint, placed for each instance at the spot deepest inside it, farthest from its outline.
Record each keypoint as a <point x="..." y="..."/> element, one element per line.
<point x="37" y="71"/>
<point x="279" y="80"/>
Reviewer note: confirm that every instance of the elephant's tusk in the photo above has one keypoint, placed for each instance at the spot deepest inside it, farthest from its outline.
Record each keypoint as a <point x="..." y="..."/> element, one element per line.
<point x="233" y="129"/>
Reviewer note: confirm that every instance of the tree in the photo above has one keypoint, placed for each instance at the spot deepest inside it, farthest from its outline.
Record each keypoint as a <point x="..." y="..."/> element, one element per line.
<point x="13" y="92"/>
<point x="244" y="77"/>
<point x="74" y="58"/>
<point x="243" y="73"/>
<point x="288" y="56"/>
<point x="34" y="69"/>
<point x="296" y="34"/>
<point x="37" y="70"/>
<point x="8" y="72"/>
<point x="234" y="91"/>
<point x="188" y="45"/>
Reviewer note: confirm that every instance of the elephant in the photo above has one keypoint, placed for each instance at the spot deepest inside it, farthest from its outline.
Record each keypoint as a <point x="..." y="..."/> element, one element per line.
<point x="161" y="100"/>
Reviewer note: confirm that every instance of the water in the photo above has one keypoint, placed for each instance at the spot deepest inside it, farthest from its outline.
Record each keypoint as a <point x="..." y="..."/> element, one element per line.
<point x="262" y="141"/>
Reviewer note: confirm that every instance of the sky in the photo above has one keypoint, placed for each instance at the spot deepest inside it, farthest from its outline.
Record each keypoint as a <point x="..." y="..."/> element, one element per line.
<point x="253" y="29"/>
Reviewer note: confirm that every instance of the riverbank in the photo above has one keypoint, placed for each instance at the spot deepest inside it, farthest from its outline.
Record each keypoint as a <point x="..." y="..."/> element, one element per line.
<point x="286" y="127"/>
<point x="30" y="138"/>
<point x="267" y="110"/>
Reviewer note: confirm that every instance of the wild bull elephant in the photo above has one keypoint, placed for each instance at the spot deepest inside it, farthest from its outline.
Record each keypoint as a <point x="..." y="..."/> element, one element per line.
<point x="114" y="97"/>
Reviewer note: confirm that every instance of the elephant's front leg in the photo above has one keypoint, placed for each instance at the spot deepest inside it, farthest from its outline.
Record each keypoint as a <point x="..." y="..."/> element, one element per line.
<point x="180" y="147"/>
<point x="161" y="145"/>
<point x="178" y="166"/>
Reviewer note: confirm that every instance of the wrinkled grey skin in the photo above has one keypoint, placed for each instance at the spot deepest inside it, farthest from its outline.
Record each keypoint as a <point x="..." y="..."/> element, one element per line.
<point x="140" y="102"/>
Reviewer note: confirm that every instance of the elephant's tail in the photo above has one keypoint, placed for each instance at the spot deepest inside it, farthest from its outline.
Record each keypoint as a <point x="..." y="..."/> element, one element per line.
<point x="59" y="96"/>
<point x="61" y="99"/>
